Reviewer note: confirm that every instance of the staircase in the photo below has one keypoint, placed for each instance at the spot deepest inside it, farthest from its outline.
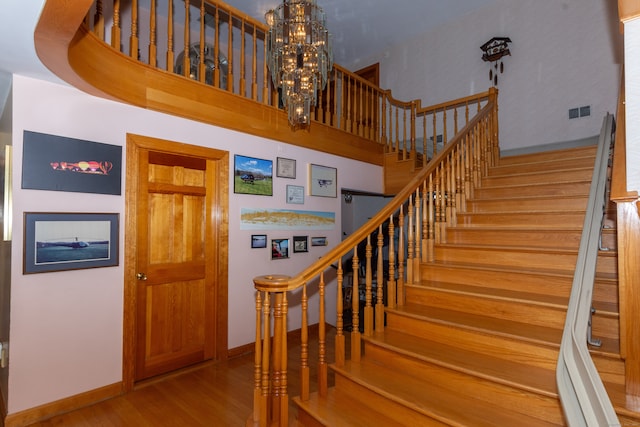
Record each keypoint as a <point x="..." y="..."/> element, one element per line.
<point x="476" y="341"/>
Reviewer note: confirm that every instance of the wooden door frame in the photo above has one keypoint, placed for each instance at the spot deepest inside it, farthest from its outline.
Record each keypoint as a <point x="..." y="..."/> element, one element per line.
<point x="220" y="220"/>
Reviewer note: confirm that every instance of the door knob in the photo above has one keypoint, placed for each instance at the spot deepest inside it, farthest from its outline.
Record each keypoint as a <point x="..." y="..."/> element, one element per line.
<point x="141" y="276"/>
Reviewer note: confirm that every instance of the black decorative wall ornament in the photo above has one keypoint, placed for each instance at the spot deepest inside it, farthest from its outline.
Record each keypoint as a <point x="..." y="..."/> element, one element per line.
<point x="493" y="51"/>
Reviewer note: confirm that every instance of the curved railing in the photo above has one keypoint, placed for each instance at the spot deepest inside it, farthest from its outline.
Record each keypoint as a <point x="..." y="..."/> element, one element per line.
<point x="376" y="262"/>
<point x="584" y="399"/>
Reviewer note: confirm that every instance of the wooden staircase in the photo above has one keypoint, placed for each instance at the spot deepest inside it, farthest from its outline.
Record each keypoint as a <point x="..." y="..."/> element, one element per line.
<point x="476" y="341"/>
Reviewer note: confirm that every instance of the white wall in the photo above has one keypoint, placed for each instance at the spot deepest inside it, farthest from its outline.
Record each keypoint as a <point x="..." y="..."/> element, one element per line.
<point x="563" y="56"/>
<point x="632" y="87"/>
<point x="66" y="327"/>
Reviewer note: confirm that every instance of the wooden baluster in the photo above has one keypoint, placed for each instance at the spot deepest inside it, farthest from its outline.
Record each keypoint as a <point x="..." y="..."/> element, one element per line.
<point x="401" y="259"/>
<point x="257" y="359"/>
<point x="186" y="63"/>
<point x="468" y="187"/>
<point x="98" y="22"/>
<point x="355" y="309"/>
<point x="416" y="240"/>
<point x="116" y="30"/>
<point x="442" y="201"/>
<point x="133" y="39"/>
<point x="331" y="90"/>
<point x="383" y="137"/>
<point x="304" y="346"/>
<point x="340" y="344"/>
<point x="451" y="185"/>
<point x="169" y="65"/>
<point x="202" y="68"/>
<point x="368" y="307"/>
<point x="349" y="90"/>
<point x="254" y="65"/>
<point x="266" y="84"/>
<point x="230" y="79"/>
<point x="455" y="120"/>
<point x="379" y="326"/>
<point x="397" y="132"/>
<point x="359" y="109"/>
<point x="405" y="154"/>
<point x="460" y="201"/>
<point x="425" y="150"/>
<point x="410" y="239"/>
<point x="437" y="205"/>
<point x="391" y="283"/>
<point x="153" y="48"/>
<point x="266" y="350"/>
<point x="431" y="215"/>
<point x="284" y="395"/>
<point x="217" y="78"/>
<point x="322" y="341"/>
<point x="243" y="73"/>
<point x="435" y="135"/>
<point x="276" y="380"/>
<point x="425" y="222"/>
<point x="320" y="106"/>
<point x="444" y="126"/>
<point x="466" y="112"/>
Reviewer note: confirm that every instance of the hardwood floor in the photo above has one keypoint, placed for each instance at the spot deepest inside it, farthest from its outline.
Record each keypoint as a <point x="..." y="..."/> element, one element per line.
<point x="209" y="394"/>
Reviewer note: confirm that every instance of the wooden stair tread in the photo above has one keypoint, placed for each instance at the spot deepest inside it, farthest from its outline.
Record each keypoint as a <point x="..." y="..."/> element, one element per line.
<point x="518" y="375"/>
<point x="334" y="410"/>
<point x="499" y="293"/>
<point x="431" y="400"/>
<point x="487" y="325"/>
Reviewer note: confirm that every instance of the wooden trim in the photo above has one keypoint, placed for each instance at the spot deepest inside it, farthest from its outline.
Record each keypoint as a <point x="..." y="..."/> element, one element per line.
<point x="628" y="9"/>
<point x="221" y="158"/>
<point x="71" y="403"/>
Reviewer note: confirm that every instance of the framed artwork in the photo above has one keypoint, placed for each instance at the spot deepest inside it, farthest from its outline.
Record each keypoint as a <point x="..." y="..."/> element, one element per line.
<point x="323" y="181"/>
<point x="258" y="241"/>
<point x="69" y="241"/>
<point x="279" y="248"/>
<point x="319" y="241"/>
<point x="295" y="194"/>
<point x="65" y="164"/>
<point x="253" y="176"/>
<point x="285" y="168"/>
<point x="300" y="244"/>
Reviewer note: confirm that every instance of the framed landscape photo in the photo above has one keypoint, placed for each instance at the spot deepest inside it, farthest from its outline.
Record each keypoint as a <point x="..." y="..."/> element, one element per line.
<point x="285" y="168"/>
<point x="295" y="194"/>
<point x="279" y="248"/>
<point x="69" y="241"/>
<point x="300" y="244"/>
<point x="319" y="241"/>
<point x="252" y="176"/>
<point x="258" y="241"/>
<point x="323" y="181"/>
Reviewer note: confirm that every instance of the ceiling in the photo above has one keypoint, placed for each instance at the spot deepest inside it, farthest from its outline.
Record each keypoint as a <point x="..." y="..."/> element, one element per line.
<point x="359" y="28"/>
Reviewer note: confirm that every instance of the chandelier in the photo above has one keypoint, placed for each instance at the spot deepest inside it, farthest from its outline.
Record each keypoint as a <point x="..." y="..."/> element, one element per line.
<point x="299" y="56"/>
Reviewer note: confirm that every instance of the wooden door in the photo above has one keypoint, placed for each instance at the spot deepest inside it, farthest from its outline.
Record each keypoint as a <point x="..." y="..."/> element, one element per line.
<point x="178" y="254"/>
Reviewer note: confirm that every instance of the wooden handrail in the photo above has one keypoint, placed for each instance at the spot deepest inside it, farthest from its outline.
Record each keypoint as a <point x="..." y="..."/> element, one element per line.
<point x="425" y="206"/>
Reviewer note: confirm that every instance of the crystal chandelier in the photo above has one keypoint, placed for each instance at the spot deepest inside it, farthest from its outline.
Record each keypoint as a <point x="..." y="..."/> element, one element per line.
<point x="299" y="56"/>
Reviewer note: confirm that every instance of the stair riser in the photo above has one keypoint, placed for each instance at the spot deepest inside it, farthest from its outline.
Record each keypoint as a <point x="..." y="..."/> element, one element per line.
<point x="557" y="220"/>
<point x="500" y="279"/>
<point x="542" y="406"/>
<point x="611" y="370"/>
<point x="560" y="239"/>
<point x="506" y="348"/>
<point x="538" y="178"/>
<point x="559" y="165"/>
<point x="374" y="401"/>
<point x="529" y="259"/>
<point x="605" y="326"/>
<point x="587" y="150"/>
<point x="506" y="309"/>
<point x="564" y="189"/>
<point x="529" y="204"/>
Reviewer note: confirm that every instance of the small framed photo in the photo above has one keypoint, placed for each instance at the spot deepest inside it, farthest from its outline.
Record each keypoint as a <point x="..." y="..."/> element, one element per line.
<point x="285" y="168"/>
<point x="258" y="241"/>
<point x="279" y="248"/>
<point x="69" y="241"/>
<point x="323" y="181"/>
<point x="300" y="244"/>
<point x="319" y="241"/>
<point x="295" y="194"/>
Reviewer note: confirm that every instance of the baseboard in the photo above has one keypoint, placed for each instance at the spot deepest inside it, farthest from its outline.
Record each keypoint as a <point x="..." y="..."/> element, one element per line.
<point x="43" y="412"/>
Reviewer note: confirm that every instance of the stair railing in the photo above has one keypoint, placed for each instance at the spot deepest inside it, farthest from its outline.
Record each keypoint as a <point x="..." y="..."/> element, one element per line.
<point x="374" y="262"/>
<point x="584" y="399"/>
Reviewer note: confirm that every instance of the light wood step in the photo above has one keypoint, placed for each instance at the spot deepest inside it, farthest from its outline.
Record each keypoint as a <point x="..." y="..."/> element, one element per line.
<point x="542" y="177"/>
<point x="469" y="373"/>
<point x="534" y="237"/>
<point x="587" y="150"/>
<point x="542" y="218"/>
<point x="580" y="187"/>
<point x="515" y="341"/>
<point x="415" y="402"/>
<point x="586" y="161"/>
<point x="531" y="308"/>
<point x="515" y="204"/>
